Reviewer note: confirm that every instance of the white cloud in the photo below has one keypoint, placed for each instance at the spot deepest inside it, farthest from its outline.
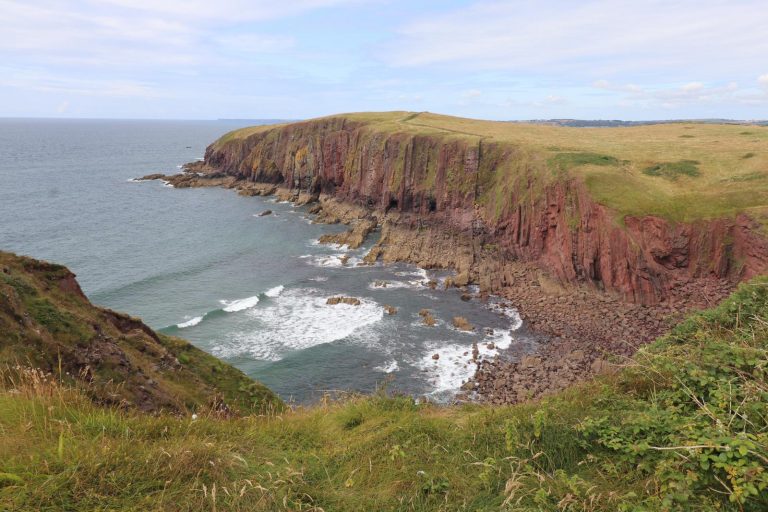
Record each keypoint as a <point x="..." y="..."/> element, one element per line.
<point x="671" y="97"/>
<point x="763" y="80"/>
<point x="589" y="37"/>
<point x="692" y="87"/>
<point x="226" y="10"/>
<point x="47" y="82"/>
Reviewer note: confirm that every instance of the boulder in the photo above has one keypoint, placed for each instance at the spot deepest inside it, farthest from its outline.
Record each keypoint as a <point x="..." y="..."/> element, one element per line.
<point x="462" y="323"/>
<point x="352" y="301"/>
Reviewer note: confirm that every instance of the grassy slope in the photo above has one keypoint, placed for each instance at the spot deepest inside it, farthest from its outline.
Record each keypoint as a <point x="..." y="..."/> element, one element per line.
<point x="52" y="328"/>
<point x="683" y="427"/>
<point x="732" y="160"/>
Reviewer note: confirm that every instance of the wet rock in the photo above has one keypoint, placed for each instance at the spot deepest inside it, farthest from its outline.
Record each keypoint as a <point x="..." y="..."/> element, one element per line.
<point x="352" y="301"/>
<point x="466" y="297"/>
<point x="428" y="318"/>
<point x="462" y="323"/>
<point x="435" y="356"/>
<point x="150" y="177"/>
<point x="390" y="310"/>
<point x="265" y="212"/>
<point x="354" y="237"/>
<point x="380" y="283"/>
<point x="461" y="279"/>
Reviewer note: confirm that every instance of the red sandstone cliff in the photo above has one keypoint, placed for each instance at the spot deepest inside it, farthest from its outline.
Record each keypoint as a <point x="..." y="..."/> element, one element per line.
<point x="498" y="201"/>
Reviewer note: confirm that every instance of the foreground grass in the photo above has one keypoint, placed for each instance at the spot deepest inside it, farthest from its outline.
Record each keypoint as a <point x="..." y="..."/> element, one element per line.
<point x="683" y="427"/>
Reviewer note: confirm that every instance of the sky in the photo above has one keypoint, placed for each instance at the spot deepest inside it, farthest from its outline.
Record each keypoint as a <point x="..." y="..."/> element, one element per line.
<point x="296" y="59"/>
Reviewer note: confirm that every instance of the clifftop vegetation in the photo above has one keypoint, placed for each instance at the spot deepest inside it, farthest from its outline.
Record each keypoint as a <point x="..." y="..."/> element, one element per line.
<point x="682" y="426"/>
<point x="47" y="323"/>
<point x="679" y="171"/>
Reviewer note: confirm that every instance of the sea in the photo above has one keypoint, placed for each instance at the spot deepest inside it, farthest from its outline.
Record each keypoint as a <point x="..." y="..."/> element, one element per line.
<point x="202" y="264"/>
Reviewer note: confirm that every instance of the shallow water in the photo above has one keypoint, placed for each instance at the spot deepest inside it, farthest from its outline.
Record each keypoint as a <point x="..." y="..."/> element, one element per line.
<point x="201" y="264"/>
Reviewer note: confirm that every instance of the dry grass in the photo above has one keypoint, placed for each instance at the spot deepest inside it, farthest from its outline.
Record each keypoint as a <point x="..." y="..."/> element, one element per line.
<point x="727" y="183"/>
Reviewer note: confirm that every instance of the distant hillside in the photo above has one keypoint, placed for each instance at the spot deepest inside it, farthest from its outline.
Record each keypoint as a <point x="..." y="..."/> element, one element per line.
<point x="612" y="123"/>
<point x="46" y="322"/>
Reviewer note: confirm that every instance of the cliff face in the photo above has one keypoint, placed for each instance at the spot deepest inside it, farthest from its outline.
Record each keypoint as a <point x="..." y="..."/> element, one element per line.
<point x="493" y="202"/>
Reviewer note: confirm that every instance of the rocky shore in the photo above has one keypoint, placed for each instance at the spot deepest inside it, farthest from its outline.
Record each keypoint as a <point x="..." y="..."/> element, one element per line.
<point x="583" y="331"/>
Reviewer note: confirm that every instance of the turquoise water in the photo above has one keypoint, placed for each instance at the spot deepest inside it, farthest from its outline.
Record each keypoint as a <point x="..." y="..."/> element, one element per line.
<point x="201" y="264"/>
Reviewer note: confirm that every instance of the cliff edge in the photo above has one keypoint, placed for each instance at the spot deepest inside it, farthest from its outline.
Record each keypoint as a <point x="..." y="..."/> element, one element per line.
<point x="48" y="324"/>
<point x="638" y="212"/>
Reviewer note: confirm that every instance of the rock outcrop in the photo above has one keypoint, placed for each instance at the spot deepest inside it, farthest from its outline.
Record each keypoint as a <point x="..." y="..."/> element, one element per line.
<point x="445" y="196"/>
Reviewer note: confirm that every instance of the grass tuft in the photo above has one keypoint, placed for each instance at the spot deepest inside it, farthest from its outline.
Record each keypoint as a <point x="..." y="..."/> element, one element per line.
<point x="673" y="170"/>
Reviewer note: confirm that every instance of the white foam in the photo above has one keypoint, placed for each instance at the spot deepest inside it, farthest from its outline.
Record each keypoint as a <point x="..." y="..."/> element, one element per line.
<point x="190" y="323"/>
<point x="296" y="320"/>
<point x="275" y="292"/>
<point x="510" y="313"/>
<point x="319" y="279"/>
<point x="419" y="272"/>
<point x="388" y="367"/>
<point x="393" y="285"/>
<point x="451" y="369"/>
<point x="332" y="260"/>
<point x="455" y="365"/>
<point x="240" y="304"/>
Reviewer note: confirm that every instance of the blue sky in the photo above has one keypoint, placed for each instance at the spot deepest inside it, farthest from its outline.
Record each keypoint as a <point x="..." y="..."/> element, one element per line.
<point x="200" y="59"/>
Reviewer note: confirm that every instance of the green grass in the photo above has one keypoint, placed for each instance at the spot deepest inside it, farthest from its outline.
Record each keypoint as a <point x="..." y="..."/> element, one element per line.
<point x="652" y="167"/>
<point x="684" y="426"/>
<point x="564" y="161"/>
<point x="47" y="324"/>
<point x="673" y="170"/>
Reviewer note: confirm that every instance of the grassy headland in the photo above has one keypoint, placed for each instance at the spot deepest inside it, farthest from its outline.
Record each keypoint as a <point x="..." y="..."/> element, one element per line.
<point x="683" y="426"/>
<point x="678" y="171"/>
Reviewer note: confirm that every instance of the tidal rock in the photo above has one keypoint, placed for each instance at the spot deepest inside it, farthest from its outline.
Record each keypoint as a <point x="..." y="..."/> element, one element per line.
<point x="150" y="177"/>
<point x="265" y="212"/>
<point x="428" y="318"/>
<point x="352" y="301"/>
<point x="391" y="310"/>
<point x="462" y="324"/>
